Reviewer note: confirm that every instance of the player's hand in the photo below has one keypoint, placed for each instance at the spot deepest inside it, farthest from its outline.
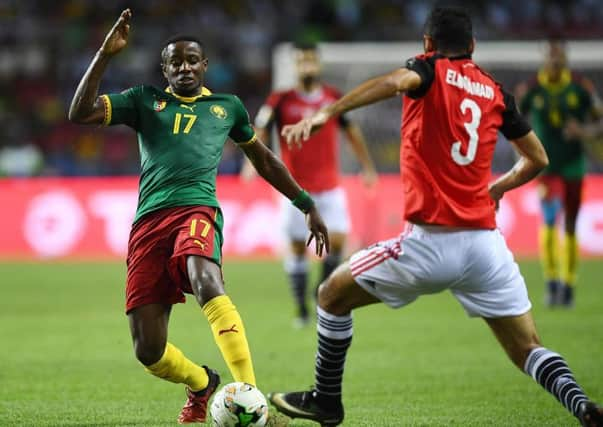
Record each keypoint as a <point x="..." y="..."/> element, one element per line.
<point x="495" y="194"/>
<point x="117" y="37"/>
<point x="301" y="131"/>
<point x="318" y="231"/>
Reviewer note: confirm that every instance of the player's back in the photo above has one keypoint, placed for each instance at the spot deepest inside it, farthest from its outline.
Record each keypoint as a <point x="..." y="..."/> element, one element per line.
<point x="449" y="132"/>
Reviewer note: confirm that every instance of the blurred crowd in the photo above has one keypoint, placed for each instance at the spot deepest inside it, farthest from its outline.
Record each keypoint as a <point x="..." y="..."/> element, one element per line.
<point x="45" y="46"/>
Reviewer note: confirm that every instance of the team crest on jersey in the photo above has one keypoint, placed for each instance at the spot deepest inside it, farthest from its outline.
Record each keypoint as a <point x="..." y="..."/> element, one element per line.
<point x="159" y="105"/>
<point x="538" y="102"/>
<point x="218" y="111"/>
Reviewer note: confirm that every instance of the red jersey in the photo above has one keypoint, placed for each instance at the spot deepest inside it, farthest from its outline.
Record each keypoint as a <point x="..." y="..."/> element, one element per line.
<point x="450" y="127"/>
<point x="316" y="165"/>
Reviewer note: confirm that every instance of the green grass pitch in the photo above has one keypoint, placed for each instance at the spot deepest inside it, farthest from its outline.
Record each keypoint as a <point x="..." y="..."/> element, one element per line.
<point x="66" y="357"/>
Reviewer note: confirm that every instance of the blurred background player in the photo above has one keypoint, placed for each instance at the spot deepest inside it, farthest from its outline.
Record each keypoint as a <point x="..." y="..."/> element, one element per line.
<point x="314" y="165"/>
<point x="558" y="103"/>
<point x="175" y="245"/>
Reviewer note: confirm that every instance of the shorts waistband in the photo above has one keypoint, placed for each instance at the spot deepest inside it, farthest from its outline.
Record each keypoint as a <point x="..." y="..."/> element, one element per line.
<point x="436" y="229"/>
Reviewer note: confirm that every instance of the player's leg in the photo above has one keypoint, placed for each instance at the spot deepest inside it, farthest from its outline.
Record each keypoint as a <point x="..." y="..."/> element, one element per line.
<point x="150" y="293"/>
<point x="205" y="277"/>
<point x="550" y="203"/>
<point x="337" y="297"/>
<point x="296" y="262"/>
<point x="569" y="259"/>
<point x="195" y="267"/>
<point x="332" y="260"/>
<point x="494" y="289"/>
<point x="148" y="326"/>
<point x="379" y="273"/>
<point x="332" y="205"/>
<point x="518" y="337"/>
<point x="296" y="267"/>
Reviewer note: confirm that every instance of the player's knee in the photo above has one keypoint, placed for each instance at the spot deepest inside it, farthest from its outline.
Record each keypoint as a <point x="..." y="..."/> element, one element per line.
<point x="148" y="352"/>
<point x="329" y="299"/>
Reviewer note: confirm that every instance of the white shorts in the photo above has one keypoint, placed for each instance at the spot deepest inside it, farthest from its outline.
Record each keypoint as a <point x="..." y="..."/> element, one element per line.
<point x="333" y="208"/>
<point x="475" y="265"/>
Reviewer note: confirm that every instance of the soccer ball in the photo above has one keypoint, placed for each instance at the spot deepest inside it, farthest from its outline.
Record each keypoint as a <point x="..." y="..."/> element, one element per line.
<point x="239" y="405"/>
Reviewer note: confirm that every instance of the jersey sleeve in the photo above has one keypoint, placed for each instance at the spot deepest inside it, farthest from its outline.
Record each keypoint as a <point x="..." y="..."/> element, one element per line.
<point x="514" y="125"/>
<point x="122" y="108"/>
<point x="425" y="69"/>
<point x="241" y="132"/>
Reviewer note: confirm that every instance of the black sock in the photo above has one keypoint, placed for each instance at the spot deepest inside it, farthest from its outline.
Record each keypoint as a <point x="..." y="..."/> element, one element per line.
<point x="334" y="339"/>
<point x="329" y="264"/>
<point x="551" y="371"/>
<point x="297" y="269"/>
<point x="299" y="283"/>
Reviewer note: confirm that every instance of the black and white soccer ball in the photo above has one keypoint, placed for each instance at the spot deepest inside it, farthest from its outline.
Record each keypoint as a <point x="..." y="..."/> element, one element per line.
<point x="239" y="405"/>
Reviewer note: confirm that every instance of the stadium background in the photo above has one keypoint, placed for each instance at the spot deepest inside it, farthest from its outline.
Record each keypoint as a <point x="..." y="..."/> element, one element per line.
<point x="46" y="46"/>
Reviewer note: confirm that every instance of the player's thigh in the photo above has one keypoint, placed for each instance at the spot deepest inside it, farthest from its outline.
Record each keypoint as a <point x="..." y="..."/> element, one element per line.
<point x="397" y="271"/>
<point x="205" y="277"/>
<point x="340" y="293"/>
<point x="571" y="202"/>
<point x="516" y="334"/>
<point x="491" y="285"/>
<point x="333" y="207"/>
<point x="149" y="329"/>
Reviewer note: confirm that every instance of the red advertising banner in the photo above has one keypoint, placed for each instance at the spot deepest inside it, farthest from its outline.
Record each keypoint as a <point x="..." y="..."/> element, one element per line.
<point x="90" y="218"/>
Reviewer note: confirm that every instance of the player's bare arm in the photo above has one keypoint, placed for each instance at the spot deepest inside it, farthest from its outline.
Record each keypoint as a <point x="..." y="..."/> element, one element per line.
<point x="276" y="174"/>
<point x="86" y="106"/>
<point x="355" y="137"/>
<point x="262" y="124"/>
<point x="369" y="92"/>
<point x="532" y="161"/>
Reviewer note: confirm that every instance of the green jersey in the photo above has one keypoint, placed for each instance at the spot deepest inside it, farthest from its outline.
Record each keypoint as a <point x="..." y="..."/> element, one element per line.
<point x="181" y="140"/>
<point x="550" y="105"/>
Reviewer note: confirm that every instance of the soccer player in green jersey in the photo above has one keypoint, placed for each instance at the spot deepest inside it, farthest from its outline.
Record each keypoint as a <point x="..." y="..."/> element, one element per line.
<point x="558" y="98"/>
<point x="175" y="242"/>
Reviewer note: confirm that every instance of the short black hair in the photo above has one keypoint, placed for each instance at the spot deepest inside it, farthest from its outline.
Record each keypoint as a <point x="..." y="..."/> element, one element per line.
<point x="450" y="28"/>
<point x="180" y="38"/>
<point x="305" y="45"/>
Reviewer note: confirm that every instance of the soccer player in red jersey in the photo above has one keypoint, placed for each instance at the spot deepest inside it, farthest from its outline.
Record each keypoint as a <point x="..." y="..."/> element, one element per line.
<point x="452" y="112"/>
<point x="314" y="165"/>
<point x="176" y="239"/>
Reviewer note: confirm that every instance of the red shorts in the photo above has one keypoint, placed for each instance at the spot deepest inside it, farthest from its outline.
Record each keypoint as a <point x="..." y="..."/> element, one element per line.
<point x="158" y="247"/>
<point x="568" y="191"/>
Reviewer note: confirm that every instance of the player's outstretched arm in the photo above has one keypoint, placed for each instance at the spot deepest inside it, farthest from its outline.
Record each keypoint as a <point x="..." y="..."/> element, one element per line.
<point x="532" y="161"/>
<point x="369" y="92"/>
<point x="86" y="107"/>
<point x="274" y="171"/>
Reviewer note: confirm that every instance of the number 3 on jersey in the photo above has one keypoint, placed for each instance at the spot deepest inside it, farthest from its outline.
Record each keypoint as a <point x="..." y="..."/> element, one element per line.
<point x="471" y="127"/>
